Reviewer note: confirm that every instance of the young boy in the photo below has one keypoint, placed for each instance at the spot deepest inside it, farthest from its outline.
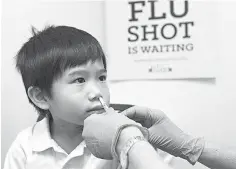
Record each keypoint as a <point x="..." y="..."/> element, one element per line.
<point x="64" y="74"/>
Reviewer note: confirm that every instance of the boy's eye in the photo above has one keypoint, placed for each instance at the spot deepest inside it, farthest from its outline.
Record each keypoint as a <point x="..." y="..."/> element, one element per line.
<point x="80" y="80"/>
<point x="103" y="78"/>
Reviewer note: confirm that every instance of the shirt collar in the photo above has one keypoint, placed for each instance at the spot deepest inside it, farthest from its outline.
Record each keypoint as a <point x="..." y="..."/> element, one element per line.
<point x="42" y="140"/>
<point x="41" y="137"/>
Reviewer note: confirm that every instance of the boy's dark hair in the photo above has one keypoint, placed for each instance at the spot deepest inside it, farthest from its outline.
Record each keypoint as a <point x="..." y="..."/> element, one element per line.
<point x="49" y="52"/>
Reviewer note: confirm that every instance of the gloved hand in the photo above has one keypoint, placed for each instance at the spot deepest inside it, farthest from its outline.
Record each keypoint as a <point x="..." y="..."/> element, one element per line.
<point x="101" y="132"/>
<point x="165" y="135"/>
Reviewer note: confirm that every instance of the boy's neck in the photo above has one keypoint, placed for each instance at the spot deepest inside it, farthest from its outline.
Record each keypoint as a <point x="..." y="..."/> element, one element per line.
<point x="67" y="135"/>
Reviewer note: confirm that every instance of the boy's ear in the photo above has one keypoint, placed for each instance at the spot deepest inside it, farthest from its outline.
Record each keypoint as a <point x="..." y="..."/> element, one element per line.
<point x="38" y="97"/>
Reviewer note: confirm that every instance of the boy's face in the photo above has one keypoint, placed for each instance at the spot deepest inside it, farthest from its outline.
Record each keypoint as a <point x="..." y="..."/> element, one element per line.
<point x="75" y="94"/>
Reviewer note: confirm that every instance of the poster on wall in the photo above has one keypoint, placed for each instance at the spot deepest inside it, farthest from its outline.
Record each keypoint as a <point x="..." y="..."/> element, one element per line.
<point x="161" y="39"/>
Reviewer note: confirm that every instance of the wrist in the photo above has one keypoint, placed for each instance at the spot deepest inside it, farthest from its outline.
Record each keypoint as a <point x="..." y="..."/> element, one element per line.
<point x="125" y="135"/>
<point x="195" y="149"/>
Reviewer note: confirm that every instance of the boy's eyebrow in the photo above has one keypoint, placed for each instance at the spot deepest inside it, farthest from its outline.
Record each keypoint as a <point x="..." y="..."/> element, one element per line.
<point x="76" y="72"/>
<point x="102" y="71"/>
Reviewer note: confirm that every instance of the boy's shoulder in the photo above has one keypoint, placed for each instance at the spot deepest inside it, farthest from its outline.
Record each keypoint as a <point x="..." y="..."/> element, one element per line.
<point x="36" y="137"/>
<point x="20" y="148"/>
<point x="23" y="138"/>
<point x="25" y="134"/>
<point x="28" y="136"/>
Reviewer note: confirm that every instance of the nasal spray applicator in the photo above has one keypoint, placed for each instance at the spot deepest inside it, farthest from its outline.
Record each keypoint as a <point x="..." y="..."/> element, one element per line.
<point x="104" y="105"/>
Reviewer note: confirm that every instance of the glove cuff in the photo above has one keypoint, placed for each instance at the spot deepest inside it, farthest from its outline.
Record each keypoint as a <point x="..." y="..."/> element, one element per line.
<point x="144" y="131"/>
<point x="197" y="146"/>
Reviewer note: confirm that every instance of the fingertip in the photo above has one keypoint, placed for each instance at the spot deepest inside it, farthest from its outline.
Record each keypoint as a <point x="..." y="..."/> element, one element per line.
<point x="128" y="112"/>
<point x="109" y="110"/>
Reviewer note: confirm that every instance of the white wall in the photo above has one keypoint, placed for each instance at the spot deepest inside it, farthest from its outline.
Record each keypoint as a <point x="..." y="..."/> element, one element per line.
<point x="17" y="17"/>
<point x="200" y="107"/>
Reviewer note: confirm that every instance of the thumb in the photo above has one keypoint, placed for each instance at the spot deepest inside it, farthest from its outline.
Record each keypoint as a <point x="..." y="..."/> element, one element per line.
<point x="135" y="113"/>
<point x="130" y="112"/>
<point x="138" y="114"/>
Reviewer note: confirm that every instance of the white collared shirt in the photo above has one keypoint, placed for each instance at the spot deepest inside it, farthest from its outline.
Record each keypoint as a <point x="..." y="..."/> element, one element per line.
<point x="35" y="149"/>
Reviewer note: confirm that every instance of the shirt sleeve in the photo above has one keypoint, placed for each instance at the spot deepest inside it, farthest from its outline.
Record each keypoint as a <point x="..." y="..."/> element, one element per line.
<point x="15" y="157"/>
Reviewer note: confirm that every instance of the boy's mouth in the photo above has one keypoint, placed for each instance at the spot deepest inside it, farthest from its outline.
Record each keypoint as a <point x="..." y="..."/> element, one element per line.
<point x="96" y="110"/>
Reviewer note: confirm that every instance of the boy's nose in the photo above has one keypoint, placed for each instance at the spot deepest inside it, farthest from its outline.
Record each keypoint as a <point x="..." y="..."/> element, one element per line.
<point x="94" y="94"/>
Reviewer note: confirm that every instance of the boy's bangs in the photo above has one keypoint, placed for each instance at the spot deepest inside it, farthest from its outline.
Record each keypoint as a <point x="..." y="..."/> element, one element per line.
<point x="76" y="55"/>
